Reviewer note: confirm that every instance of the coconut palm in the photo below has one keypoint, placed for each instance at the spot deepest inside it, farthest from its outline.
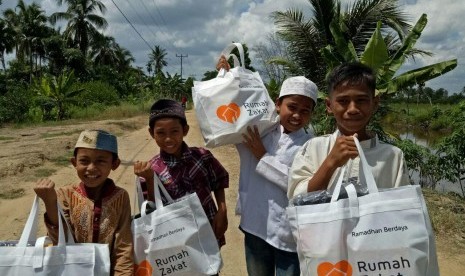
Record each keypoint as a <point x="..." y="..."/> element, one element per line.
<point x="125" y="58"/>
<point x="306" y="38"/>
<point x="83" y="22"/>
<point x="7" y="42"/>
<point x="158" y="59"/>
<point x="103" y="51"/>
<point x="29" y="25"/>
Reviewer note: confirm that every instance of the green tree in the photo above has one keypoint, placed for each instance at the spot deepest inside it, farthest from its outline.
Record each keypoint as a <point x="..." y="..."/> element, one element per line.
<point x="83" y="22"/>
<point x="29" y="24"/>
<point x="386" y="63"/>
<point x="104" y="50"/>
<point x="157" y="58"/>
<point x="58" y="92"/>
<point x="305" y="38"/>
<point x="6" y="41"/>
<point x="265" y="52"/>
<point x="453" y="147"/>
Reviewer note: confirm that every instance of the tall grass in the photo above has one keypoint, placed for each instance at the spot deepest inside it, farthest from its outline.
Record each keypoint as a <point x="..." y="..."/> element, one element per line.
<point x="124" y="110"/>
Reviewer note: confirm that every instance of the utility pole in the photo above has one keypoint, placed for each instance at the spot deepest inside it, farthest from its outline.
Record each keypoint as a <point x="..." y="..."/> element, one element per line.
<point x="181" y="56"/>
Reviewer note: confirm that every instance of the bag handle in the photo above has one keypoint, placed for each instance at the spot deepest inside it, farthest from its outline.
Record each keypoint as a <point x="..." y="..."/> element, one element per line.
<point x="158" y="186"/>
<point x="227" y="51"/>
<point x="30" y="233"/>
<point x="30" y="229"/>
<point x="365" y="176"/>
<point x="235" y="59"/>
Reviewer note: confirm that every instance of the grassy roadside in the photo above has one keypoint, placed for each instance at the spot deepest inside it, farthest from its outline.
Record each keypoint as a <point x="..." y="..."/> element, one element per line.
<point x="447" y="214"/>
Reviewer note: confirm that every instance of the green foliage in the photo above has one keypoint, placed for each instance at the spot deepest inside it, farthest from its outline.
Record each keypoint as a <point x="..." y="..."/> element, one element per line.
<point x="452" y="148"/>
<point x="377" y="56"/>
<point x="57" y="92"/>
<point x="308" y="39"/>
<point x="97" y="92"/>
<point x="273" y="88"/>
<point x="15" y="104"/>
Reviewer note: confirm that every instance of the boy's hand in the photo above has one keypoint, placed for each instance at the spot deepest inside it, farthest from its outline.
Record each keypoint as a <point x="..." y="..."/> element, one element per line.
<point x="343" y="150"/>
<point x="220" y="223"/>
<point x="223" y="64"/>
<point x="143" y="169"/>
<point x="45" y="190"/>
<point x="254" y="143"/>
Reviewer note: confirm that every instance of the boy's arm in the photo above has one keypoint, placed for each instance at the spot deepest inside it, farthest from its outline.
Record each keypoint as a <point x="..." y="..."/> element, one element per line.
<point x="268" y="165"/>
<point x="45" y="190"/>
<point x="123" y="244"/>
<point x="220" y="221"/>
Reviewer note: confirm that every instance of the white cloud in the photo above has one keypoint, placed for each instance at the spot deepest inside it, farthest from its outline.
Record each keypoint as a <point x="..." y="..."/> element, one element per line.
<point x="202" y="28"/>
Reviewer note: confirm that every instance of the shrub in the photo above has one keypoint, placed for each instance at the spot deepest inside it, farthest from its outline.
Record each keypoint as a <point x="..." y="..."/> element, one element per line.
<point x="98" y="92"/>
<point x="15" y="104"/>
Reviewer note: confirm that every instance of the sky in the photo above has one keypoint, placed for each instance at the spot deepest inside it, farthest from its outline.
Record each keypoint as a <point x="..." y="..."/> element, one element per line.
<point x="198" y="30"/>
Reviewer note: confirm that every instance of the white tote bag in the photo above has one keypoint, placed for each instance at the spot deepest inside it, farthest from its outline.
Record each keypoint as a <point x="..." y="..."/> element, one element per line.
<point x="67" y="258"/>
<point x="387" y="232"/>
<point x="175" y="239"/>
<point x="227" y="104"/>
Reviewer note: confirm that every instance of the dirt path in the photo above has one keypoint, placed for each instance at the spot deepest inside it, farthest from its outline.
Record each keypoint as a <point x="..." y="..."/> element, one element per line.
<point x="27" y="154"/>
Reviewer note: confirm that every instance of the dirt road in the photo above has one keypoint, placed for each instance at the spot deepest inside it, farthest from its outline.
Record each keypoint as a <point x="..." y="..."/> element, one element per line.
<point x="30" y="153"/>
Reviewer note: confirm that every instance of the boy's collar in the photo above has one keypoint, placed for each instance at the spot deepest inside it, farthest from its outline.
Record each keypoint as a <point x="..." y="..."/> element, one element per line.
<point x="107" y="189"/>
<point x="185" y="153"/>
<point x="294" y="133"/>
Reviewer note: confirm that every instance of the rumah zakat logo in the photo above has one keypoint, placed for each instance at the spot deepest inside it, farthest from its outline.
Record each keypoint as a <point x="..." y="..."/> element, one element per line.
<point x="228" y="113"/>
<point x="143" y="269"/>
<point x="342" y="268"/>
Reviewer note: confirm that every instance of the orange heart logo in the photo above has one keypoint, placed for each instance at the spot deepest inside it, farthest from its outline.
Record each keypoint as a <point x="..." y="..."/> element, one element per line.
<point x="143" y="269"/>
<point x="229" y="113"/>
<point x="342" y="268"/>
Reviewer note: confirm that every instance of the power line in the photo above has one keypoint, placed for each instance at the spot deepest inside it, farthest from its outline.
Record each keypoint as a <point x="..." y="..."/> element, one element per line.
<point x="127" y="19"/>
<point x="150" y="47"/>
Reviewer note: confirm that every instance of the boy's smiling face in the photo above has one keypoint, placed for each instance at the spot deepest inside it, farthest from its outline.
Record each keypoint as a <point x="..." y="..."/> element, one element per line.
<point x="295" y="112"/>
<point x="352" y="107"/>
<point x="93" y="166"/>
<point x="169" y="134"/>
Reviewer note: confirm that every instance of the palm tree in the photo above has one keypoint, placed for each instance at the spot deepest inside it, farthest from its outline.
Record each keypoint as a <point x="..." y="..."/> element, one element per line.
<point x="6" y="41"/>
<point x="125" y="58"/>
<point x="103" y="50"/>
<point x="29" y="25"/>
<point x="157" y="59"/>
<point x="306" y="38"/>
<point x="83" y="23"/>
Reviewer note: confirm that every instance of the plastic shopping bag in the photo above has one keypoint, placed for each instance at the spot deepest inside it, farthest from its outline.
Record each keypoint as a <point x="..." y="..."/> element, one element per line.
<point x="386" y="232"/>
<point x="227" y="104"/>
<point x="175" y="239"/>
<point x="66" y="258"/>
